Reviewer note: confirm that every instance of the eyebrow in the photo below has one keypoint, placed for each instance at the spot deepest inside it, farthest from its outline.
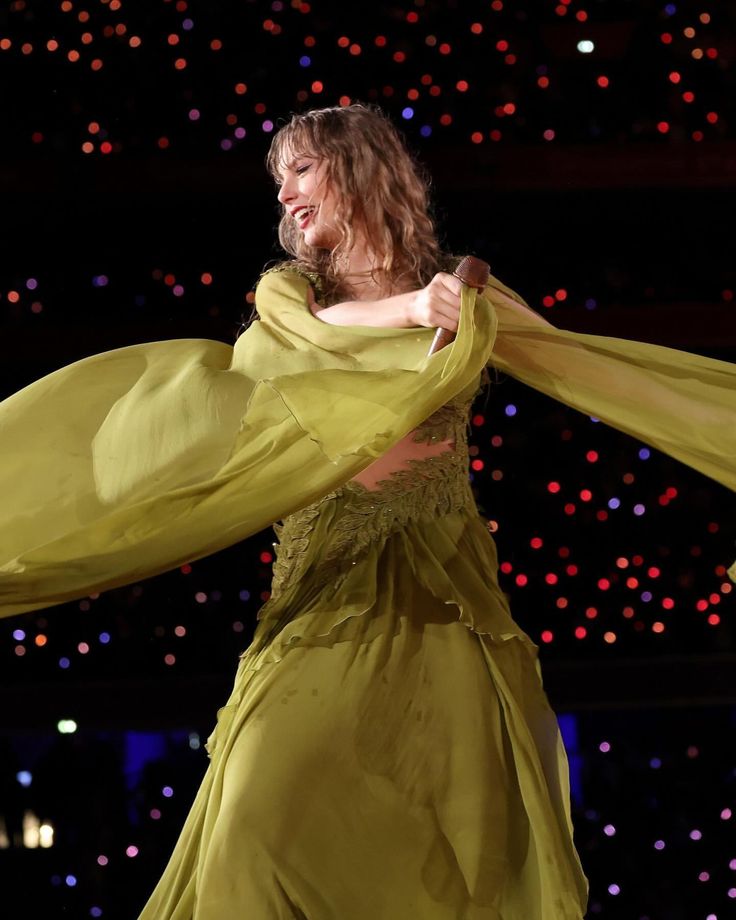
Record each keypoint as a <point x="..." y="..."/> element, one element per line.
<point x="292" y="163"/>
<point x="299" y="156"/>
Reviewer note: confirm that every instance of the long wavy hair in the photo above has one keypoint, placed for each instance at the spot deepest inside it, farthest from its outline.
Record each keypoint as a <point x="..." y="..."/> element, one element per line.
<point x="379" y="188"/>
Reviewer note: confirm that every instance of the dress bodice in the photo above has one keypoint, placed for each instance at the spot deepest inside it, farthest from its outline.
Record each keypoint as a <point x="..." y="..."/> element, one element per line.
<point x="418" y="484"/>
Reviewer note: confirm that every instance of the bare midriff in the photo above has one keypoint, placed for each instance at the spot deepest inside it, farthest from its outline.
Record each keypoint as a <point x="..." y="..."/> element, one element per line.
<point x="398" y="457"/>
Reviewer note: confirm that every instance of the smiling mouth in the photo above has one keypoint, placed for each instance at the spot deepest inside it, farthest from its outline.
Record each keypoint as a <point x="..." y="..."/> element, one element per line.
<point x="302" y="216"/>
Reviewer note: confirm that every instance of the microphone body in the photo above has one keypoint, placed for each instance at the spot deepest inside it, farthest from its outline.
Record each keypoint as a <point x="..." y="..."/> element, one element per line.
<point x="473" y="272"/>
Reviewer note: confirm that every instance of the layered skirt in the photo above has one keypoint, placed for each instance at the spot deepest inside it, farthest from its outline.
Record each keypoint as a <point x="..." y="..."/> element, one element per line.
<point x="388" y="751"/>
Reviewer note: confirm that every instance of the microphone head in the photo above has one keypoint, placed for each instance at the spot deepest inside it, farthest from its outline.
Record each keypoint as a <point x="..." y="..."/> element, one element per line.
<point x="473" y="272"/>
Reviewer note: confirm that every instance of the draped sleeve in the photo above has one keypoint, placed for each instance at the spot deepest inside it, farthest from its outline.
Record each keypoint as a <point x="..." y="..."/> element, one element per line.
<point x="132" y="462"/>
<point x="680" y="403"/>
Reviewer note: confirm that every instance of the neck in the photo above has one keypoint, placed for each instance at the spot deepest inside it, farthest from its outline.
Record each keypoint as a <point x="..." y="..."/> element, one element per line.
<point x="361" y="271"/>
<point x="361" y="260"/>
<point x="362" y="276"/>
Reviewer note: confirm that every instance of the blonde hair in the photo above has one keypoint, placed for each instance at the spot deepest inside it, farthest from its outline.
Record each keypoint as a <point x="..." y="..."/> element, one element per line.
<point x="379" y="188"/>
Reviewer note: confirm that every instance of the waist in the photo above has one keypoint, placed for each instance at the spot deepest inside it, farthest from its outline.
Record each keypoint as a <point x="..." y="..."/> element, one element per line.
<point x="401" y="458"/>
<point x="354" y="518"/>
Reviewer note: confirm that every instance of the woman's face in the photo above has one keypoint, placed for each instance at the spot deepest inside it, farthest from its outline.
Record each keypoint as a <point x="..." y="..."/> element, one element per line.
<point x="307" y="196"/>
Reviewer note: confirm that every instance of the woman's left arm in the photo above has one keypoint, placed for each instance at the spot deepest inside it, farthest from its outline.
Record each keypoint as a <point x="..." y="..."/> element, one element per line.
<point x="436" y="304"/>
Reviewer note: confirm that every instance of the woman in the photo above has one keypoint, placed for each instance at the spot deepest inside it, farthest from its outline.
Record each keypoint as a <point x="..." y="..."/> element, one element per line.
<point x="402" y="760"/>
<point x="387" y="750"/>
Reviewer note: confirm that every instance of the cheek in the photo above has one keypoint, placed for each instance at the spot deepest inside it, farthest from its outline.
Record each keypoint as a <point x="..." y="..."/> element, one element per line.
<point x="323" y="194"/>
<point x="311" y="188"/>
<point x="328" y="208"/>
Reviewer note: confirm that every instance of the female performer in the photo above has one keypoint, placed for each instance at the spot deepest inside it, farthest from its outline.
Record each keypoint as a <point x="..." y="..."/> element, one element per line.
<point x="387" y="752"/>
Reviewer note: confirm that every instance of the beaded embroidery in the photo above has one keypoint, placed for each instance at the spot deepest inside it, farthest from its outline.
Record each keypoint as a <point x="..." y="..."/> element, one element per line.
<point x="431" y="486"/>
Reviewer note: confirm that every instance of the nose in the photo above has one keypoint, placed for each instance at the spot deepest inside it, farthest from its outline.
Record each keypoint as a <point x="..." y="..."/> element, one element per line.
<point x="287" y="190"/>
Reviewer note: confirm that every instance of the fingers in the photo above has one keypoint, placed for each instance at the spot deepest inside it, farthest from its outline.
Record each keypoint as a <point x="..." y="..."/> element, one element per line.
<point x="449" y="282"/>
<point x="446" y="289"/>
<point x="446" y="300"/>
<point x="438" y="304"/>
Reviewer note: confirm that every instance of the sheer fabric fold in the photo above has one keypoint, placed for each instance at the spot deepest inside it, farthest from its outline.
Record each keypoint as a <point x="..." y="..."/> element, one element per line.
<point x="132" y="462"/>
<point x="683" y="404"/>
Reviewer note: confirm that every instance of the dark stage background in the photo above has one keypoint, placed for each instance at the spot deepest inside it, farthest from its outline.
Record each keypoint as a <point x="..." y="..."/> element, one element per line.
<point x="588" y="151"/>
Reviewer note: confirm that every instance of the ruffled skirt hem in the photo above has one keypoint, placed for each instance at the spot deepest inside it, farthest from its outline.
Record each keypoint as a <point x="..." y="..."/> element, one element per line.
<point x="387" y="752"/>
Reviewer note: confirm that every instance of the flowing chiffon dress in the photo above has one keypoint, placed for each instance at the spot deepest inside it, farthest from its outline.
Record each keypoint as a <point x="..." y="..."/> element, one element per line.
<point x="387" y="751"/>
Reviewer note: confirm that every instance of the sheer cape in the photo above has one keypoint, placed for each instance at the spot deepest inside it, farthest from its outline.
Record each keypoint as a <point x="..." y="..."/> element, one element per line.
<point x="131" y="462"/>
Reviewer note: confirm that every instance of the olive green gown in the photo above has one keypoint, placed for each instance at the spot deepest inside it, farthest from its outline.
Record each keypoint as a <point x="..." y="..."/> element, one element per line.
<point x="387" y="751"/>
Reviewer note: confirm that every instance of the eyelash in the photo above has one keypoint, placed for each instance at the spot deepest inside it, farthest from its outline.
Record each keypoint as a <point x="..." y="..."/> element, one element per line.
<point x="299" y="171"/>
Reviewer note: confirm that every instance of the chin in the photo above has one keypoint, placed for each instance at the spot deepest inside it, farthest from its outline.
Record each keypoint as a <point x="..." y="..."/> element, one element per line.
<point x="318" y="240"/>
